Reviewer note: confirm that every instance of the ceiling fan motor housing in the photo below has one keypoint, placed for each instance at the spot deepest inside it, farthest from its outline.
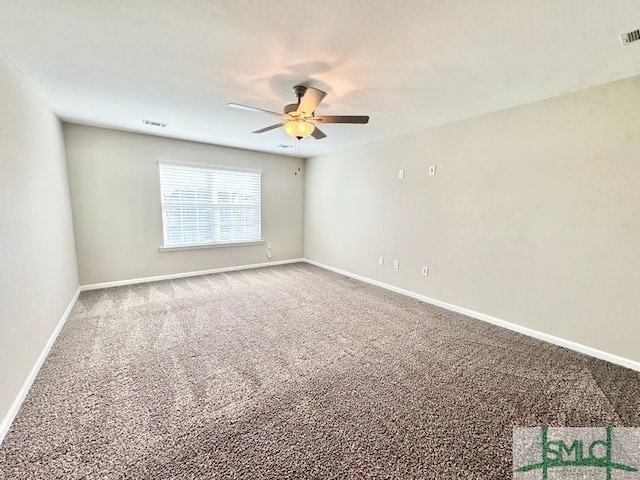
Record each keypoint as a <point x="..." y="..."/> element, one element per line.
<point x="299" y="90"/>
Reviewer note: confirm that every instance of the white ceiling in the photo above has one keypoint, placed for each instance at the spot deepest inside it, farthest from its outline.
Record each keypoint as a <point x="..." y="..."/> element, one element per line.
<point x="409" y="64"/>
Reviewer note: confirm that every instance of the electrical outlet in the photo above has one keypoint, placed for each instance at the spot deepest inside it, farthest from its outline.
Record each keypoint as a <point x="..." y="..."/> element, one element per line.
<point x="380" y="260"/>
<point x="432" y="170"/>
<point x="396" y="264"/>
<point x="269" y="255"/>
<point x="425" y="271"/>
<point x="401" y="173"/>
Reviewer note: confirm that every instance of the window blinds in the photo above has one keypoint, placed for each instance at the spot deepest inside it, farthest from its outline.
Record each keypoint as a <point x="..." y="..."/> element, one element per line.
<point x="204" y="205"/>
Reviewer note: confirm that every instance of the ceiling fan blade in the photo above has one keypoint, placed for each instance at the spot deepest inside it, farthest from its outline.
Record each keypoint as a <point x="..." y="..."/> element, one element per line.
<point x="318" y="134"/>
<point x="340" y="119"/>
<point x="259" y="110"/>
<point x="309" y="101"/>
<point x="270" y="127"/>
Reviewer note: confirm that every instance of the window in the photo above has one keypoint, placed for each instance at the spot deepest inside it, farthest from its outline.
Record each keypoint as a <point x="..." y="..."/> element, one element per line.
<point x="209" y="206"/>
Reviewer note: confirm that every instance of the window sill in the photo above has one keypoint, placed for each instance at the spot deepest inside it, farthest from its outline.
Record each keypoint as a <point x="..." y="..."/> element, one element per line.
<point x="210" y="245"/>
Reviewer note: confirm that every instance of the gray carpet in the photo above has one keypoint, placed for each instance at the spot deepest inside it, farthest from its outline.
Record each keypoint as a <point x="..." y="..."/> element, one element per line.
<point x="294" y="372"/>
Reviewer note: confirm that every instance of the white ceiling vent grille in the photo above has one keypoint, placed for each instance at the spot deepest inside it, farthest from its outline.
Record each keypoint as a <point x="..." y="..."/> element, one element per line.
<point x="627" y="38"/>
<point x="154" y="124"/>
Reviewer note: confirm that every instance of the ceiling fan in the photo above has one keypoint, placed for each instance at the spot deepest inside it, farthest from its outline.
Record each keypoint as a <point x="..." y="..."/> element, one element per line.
<point x="299" y="119"/>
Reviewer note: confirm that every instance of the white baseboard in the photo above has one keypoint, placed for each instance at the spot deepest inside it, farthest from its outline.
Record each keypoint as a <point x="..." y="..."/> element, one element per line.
<point x="562" y="342"/>
<point x="6" y="422"/>
<point x="172" y="276"/>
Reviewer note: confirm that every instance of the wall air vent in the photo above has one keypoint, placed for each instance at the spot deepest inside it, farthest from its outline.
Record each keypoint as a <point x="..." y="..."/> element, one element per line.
<point x="627" y="38"/>
<point x="154" y="124"/>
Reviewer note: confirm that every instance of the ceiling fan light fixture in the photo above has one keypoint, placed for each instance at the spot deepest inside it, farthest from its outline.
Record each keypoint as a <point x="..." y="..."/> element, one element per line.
<point x="299" y="119"/>
<point x="299" y="128"/>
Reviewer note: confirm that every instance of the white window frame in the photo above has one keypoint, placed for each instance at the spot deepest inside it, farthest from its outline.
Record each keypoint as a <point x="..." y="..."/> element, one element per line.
<point x="205" y="174"/>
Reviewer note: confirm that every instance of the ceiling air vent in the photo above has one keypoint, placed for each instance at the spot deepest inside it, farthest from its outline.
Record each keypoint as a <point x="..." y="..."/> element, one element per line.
<point x="282" y="145"/>
<point x="154" y="124"/>
<point x="627" y="38"/>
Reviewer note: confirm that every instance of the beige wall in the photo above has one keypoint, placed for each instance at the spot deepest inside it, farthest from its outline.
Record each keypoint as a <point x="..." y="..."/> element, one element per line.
<point x="533" y="216"/>
<point x="115" y="191"/>
<point x="38" y="274"/>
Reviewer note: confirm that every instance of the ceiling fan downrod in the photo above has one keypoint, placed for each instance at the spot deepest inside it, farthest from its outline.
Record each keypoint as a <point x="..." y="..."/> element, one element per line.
<point x="299" y="90"/>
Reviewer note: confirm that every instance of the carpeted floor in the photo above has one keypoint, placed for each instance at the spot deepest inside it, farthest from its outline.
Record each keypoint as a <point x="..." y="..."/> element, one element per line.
<point x="294" y="372"/>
